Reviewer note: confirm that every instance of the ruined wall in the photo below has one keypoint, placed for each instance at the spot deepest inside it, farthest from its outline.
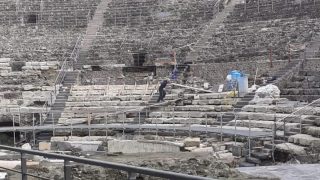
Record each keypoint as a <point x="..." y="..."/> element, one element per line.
<point x="312" y="65"/>
<point x="72" y="13"/>
<point x="216" y="73"/>
<point x="154" y="26"/>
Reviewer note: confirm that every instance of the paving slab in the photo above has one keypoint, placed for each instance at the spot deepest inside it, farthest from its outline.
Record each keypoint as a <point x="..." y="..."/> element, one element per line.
<point x="285" y="171"/>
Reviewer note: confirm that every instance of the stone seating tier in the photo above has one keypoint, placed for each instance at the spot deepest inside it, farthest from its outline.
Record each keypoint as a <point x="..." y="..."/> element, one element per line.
<point x="43" y="44"/>
<point x="153" y="25"/>
<point x="57" y="13"/>
<point x="252" y="41"/>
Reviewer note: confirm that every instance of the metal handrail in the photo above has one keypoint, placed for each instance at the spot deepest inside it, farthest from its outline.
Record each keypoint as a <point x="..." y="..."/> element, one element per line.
<point x="62" y="72"/>
<point x="117" y="166"/>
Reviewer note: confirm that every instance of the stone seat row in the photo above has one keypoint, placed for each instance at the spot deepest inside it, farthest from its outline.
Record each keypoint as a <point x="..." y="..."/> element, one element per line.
<point x="116" y="98"/>
<point x="113" y="87"/>
<point x="105" y="103"/>
<point x="264" y="124"/>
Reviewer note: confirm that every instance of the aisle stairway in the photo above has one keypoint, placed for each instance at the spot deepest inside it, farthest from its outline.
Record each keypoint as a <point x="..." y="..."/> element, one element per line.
<point x="71" y="76"/>
<point x="207" y="33"/>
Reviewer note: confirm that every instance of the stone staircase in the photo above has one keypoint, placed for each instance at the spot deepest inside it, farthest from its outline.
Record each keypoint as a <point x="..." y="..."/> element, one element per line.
<point x="61" y="99"/>
<point x="207" y="33"/>
<point x="71" y="76"/>
<point x="93" y="27"/>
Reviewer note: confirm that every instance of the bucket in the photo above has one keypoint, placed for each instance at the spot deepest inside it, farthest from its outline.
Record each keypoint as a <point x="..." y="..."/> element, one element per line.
<point x="242" y="81"/>
<point x="235" y="74"/>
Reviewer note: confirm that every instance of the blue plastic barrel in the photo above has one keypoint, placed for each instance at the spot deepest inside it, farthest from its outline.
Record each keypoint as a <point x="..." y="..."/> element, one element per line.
<point x="235" y="74"/>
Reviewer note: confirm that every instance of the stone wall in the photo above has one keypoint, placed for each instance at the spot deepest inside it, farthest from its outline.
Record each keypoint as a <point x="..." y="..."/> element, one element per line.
<point x="133" y="146"/>
<point x="157" y="27"/>
<point x="312" y="65"/>
<point x="45" y="12"/>
<point x="216" y="73"/>
<point x="37" y="43"/>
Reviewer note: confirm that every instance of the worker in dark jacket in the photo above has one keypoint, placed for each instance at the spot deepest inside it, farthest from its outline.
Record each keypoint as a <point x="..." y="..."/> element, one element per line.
<point x="162" y="92"/>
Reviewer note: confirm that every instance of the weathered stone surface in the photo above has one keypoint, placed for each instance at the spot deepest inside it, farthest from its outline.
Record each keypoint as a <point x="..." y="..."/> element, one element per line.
<point x="206" y="149"/>
<point x="291" y="148"/>
<point x="191" y="142"/>
<point x="44" y="146"/>
<point x="314" y="131"/>
<point x="133" y="146"/>
<point x="304" y="140"/>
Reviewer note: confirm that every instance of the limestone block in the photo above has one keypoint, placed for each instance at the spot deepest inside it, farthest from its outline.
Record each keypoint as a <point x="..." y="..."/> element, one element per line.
<point x="314" y="131"/>
<point x="27" y="68"/>
<point x="44" y="67"/>
<point x="190" y="142"/>
<point x="261" y="109"/>
<point x="215" y="102"/>
<point x="87" y="138"/>
<point x="248" y="108"/>
<point x="60" y="138"/>
<point x="5" y="60"/>
<point x="194" y="114"/>
<point x="206" y="149"/>
<point x="243" y="115"/>
<point x="134" y="146"/>
<point x="291" y="148"/>
<point x="35" y="63"/>
<point x="44" y="146"/>
<point x="5" y="74"/>
<point x="226" y="157"/>
<point x="237" y="150"/>
<point x="6" y="64"/>
<point x="73" y="121"/>
<point x="212" y="96"/>
<point x="85" y="145"/>
<point x="26" y="146"/>
<point x="52" y="63"/>
<point x="304" y="140"/>
<point x="43" y="63"/>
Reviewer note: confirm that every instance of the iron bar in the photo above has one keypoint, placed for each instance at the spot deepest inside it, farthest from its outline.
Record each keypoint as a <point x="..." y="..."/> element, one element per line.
<point x="93" y="162"/>
<point x="24" y="175"/>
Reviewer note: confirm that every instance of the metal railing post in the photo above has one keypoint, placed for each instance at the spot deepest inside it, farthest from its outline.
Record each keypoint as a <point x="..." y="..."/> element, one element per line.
<point x="249" y="138"/>
<point x="106" y="126"/>
<point x="71" y="128"/>
<point x="235" y="129"/>
<point x="174" y="123"/>
<point x="123" y="128"/>
<point x="221" y="133"/>
<point x="67" y="170"/>
<point x="157" y="118"/>
<point x="300" y="124"/>
<point x="284" y="129"/>
<point x="14" y="131"/>
<point x="53" y="133"/>
<point x="24" y="175"/>
<point x="33" y="129"/>
<point x="206" y="124"/>
<point x="139" y="124"/>
<point x="274" y="134"/>
<point x="189" y="124"/>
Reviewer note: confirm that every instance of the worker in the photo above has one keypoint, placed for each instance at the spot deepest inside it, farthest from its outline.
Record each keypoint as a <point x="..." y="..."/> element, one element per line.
<point x="174" y="74"/>
<point x="162" y="92"/>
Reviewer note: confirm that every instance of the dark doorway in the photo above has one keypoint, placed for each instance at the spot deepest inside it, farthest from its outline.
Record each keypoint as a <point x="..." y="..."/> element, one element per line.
<point x="32" y="19"/>
<point x="139" y="58"/>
